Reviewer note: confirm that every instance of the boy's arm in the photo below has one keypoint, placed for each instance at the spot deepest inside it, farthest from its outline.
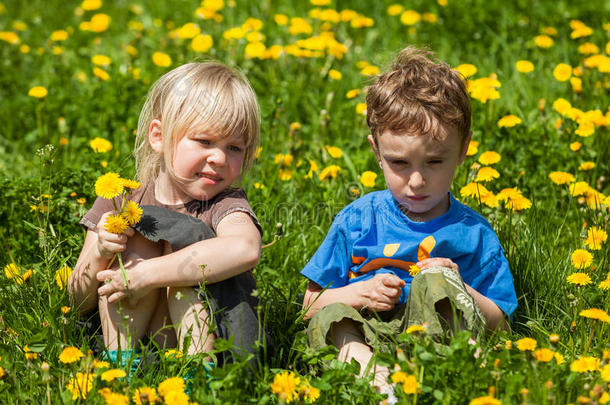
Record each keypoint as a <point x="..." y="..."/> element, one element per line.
<point x="236" y="249"/>
<point x="494" y="316"/>
<point x="379" y="293"/>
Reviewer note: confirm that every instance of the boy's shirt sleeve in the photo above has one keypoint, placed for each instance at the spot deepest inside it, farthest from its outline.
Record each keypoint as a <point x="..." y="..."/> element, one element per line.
<point x="330" y="264"/>
<point x="495" y="281"/>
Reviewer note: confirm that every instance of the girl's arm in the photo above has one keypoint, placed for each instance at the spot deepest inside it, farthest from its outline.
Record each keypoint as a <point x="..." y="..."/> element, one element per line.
<point x="236" y="249"/>
<point x="98" y="249"/>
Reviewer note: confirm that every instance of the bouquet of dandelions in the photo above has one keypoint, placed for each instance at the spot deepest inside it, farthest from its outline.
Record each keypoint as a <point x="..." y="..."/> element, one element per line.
<point x="109" y="186"/>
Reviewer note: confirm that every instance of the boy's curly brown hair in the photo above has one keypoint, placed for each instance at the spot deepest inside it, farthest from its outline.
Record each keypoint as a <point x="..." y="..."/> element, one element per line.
<point x="417" y="95"/>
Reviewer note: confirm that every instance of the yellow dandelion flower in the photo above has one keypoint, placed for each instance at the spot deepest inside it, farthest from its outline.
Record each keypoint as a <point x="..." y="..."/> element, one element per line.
<point x="100" y="145"/>
<point x="176" y="398"/>
<point x="38" y="92"/>
<point x="489" y="158"/>
<point x="361" y="108"/>
<point x="161" y="59"/>
<point x="554" y="338"/>
<point x="579" y="188"/>
<point x="562" y="72"/>
<point x="352" y="93"/>
<point x="526" y="344"/>
<point x="171" y="384"/>
<point x="145" y="395"/>
<point x="334" y="152"/>
<point x="544" y="355"/>
<point x="509" y="193"/>
<point x="116" y="224"/>
<point x="280" y="19"/>
<point x="576" y="84"/>
<point x="473" y="190"/>
<point x="90" y="5"/>
<point x="605" y="285"/>
<point x="370" y="70"/>
<point x="173" y="353"/>
<point x="485" y="400"/>
<point x="580" y="279"/>
<point x="487" y="174"/>
<point x="395" y="9"/>
<point x="490" y="199"/>
<point x="367" y="178"/>
<point x="70" y="354"/>
<point x="473" y="148"/>
<point x="466" y="69"/>
<point x="410" y="17"/>
<point x="99" y="364"/>
<point x="101" y="74"/>
<point x="562" y="106"/>
<point x="543" y="41"/>
<point x="595" y="313"/>
<point x="586" y="166"/>
<point x="61" y="276"/>
<point x="80" y="385"/>
<point x="131" y="184"/>
<point x="334" y="74"/>
<point x="285" y="174"/>
<point x="605" y="374"/>
<point x="10" y="37"/>
<point x="11" y="271"/>
<point x="113" y="374"/>
<point x="284" y="159"/>
<point x="415" y="328"/>
<point x="65" y="310"/>
<point x="329" y="172"/>
<point x="581" y="259"/>
<point x="313" y="168"/>
<point x="524" y="66"/>
<point x="108" y="185"/>
<point x="132" y="213"/>
<point x="561" y="177"/>
<point x="284" y="385"/>
<point x="101" y="60"/>
<point x="509" y="121"/>
<point x="585" y="364"/>
<point x="59" y="35"/>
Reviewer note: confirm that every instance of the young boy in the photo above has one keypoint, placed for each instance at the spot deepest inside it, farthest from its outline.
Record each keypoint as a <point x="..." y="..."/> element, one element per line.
<point x="411" y="254"/>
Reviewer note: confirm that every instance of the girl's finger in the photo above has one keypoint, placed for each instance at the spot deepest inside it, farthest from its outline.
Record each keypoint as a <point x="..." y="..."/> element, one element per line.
<point x="116" y="296"/>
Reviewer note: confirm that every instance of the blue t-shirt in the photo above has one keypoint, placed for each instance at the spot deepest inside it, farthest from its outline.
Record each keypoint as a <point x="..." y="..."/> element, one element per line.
<point x="372" y="235"/>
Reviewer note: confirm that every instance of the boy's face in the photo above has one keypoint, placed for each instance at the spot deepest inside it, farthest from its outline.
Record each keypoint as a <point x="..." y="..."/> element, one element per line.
<point x="419" y="169"/>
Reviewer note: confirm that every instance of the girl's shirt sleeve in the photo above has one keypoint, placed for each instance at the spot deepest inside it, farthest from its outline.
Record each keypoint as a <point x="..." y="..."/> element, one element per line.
<point x="330" y="264"/>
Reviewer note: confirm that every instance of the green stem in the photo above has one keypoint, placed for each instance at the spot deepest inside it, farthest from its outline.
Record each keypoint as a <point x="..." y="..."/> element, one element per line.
<point x="124" y="275"/>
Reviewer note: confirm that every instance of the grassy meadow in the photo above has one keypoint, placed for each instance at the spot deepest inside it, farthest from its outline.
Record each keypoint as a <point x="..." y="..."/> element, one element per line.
<point x="74" y="78"/>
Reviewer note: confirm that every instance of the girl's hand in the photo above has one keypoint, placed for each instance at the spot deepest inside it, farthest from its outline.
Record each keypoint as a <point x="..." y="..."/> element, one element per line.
<point x="382" y="292"/>
<point x="438" y="261"/>
<point x="109" y="244"/>
<point x="112" y="282"/>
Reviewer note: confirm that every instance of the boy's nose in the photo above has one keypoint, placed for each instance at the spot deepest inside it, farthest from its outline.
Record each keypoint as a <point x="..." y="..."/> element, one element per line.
<point x="416" y="180"/>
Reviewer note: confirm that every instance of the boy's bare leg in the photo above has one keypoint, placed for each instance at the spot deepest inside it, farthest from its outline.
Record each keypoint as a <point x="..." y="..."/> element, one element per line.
<point x="348" y="338"/>
<point x="191" y="319"/>
<point x="125" y="324"/>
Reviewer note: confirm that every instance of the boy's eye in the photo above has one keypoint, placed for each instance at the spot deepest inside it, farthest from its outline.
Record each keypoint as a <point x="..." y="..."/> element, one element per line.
<point x="435" y="162"/>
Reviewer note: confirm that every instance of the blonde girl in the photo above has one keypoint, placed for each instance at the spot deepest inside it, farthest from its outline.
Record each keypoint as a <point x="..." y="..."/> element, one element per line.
<point x="197" y="135"/>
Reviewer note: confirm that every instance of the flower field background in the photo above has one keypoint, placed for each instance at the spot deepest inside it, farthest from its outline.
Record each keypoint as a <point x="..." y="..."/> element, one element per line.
<point x="74" y="77"/>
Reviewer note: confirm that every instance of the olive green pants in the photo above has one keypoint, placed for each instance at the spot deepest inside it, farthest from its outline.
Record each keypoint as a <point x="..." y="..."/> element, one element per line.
<point x="428" y="290"/>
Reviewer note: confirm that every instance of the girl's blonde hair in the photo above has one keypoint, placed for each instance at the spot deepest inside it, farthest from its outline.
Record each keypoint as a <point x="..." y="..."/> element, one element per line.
<point x="196" y="95"/>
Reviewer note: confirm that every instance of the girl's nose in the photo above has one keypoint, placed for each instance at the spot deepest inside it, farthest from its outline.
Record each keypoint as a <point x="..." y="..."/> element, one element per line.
<point x="217" y="156"/>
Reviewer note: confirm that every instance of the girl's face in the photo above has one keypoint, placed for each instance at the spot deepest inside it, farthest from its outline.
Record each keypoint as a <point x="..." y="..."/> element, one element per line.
<point x="209" y="163"/>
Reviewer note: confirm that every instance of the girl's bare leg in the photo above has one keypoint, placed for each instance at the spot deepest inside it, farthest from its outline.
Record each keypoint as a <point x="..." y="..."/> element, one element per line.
<point x="123" y="324"/>
<point x="191" y="319"/>
<point x="348" y="338"/>
<point x="160" y="329"/>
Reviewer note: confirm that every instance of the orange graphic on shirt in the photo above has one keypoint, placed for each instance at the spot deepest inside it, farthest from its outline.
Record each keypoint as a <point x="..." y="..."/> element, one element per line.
<point x="423" y="252"/>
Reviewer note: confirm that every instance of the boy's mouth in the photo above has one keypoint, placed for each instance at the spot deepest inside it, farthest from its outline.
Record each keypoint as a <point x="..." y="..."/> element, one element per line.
<point x="417" y="197"/>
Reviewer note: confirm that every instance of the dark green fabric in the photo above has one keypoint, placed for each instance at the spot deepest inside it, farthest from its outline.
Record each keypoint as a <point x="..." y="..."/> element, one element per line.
<point x="428" y="288"/>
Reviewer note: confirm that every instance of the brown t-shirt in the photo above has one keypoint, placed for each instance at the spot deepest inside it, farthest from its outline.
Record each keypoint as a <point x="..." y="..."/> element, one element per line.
<point x="210" y="212"/>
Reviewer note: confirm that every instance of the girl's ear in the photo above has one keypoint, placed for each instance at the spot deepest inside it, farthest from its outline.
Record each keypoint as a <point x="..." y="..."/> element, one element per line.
<point x="155" y="137"/>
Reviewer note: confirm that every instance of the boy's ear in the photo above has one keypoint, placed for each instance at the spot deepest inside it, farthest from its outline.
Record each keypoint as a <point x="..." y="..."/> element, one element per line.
<point x="375" y="148"/>
<point x="465" y="146"/>
<point x="155" y="137"/>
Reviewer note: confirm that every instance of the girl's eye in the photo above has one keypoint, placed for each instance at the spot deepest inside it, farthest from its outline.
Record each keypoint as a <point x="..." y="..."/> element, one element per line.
<point x="399" y="162"/>
<point x="435" y="162"/>
<point x="203" y="141"/>
<point x="234" y="148"/>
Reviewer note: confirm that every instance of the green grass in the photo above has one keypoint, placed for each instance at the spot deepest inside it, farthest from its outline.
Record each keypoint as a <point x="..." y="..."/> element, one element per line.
<point x="538" y="241"/>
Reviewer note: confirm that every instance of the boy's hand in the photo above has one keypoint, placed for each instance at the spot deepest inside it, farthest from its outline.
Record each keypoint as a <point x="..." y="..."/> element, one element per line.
<point x="382" y="292"/>
<point x="438" y="261"/>
<point x="108" y="244"/>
